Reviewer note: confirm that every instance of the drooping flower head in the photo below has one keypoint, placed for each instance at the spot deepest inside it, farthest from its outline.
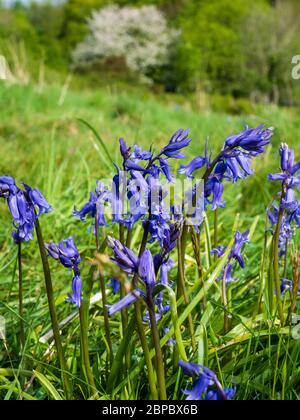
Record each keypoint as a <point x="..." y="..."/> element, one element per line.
<point x="67" y="254"/>
<point x="288" y="205"/>
<point x="95" y="206"/>
<point x="240" y="239"/>
<point x="123" y="256"/>
<point x="231" y="164"/>
<point x="204" y="379"/>
<point x="23" y="206"/>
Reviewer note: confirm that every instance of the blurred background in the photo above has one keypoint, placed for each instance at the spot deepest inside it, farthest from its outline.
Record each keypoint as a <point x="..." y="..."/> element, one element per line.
<point x="231" y="54"/>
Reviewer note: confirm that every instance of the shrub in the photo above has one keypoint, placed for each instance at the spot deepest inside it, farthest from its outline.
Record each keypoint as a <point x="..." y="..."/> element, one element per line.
<point x="138" y="36"/>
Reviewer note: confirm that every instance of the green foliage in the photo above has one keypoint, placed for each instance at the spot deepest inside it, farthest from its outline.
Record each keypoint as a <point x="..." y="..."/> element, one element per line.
<point x="44" y="144"/>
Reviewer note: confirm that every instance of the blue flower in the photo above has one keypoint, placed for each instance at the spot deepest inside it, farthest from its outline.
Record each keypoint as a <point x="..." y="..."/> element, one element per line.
<point x="95" y="206"/>
<point x="124" y="302"/>
<point x="178" y="141"/>
<point x="146" y="270"/>
<point x="216" y="395"/>
<point x="139" y="154"/>
<point x="37" y="199"/>
<point x="251" y="140"/>
<point x="68" y="255"/>
<point x="214" y="187"/>
<point x="65" y="252"/>
<point x="204" y="378"/>
<point x="197" y="163"/>
<point x="219" y="251"/>
<point x="123" y="256"/>
<point x="7" y="186"/>
<point x="76" y="296"/>
<point x="239" y="241"/>
<point x="165" y="167"/>
<point x="115" y="285"/>
<point x="22" y="206"/>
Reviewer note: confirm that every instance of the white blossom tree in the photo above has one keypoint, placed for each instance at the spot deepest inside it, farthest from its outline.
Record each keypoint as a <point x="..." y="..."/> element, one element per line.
<point x="139" y="36"/>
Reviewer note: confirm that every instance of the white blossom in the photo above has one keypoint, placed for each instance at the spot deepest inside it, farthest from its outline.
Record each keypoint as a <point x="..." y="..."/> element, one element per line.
<point x="140" y="36"/>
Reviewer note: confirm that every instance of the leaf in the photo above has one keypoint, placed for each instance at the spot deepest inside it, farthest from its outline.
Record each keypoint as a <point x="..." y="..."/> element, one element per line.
<point x="46" y="384"/>
<point x="93" y="130"/>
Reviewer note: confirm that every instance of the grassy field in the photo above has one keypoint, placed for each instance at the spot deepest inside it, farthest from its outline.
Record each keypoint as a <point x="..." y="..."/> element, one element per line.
<point x="44" y="144"/>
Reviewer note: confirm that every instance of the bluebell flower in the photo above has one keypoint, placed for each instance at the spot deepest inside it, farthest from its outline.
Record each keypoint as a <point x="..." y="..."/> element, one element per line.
<point x="178" y="141"/>
<point x="170" y="238"/>
<point x="214" y="188"/>
<point x="287" y="285"/>
<point x="216" y="395"/>
<point x="129" y="165"/>
<point x="158" y="228"/>
<point x="37" y="199"/>
<point x="7" y="186"/>
<point x="252" y="140"/>
<point x="240" y="239"/>
<point x="76" y="296"/>
<point x="219" y="251"/>
<point x="197" y="163"/>
<point x="123" y="256"/>
<point x="22" y="205"/>
<point x="125" y="151"/>
<point x="204" y="378"/>
<point x="290" y="179"/>
<point x="165" y="167"/>
<point x="171" y="342"/>
<point x="139" y="154"/>
<point x="95" y="206"/>
<point x="66" y="252"/>
<point x="146" y="269"/>
<point x="115" y="285"/>
<point x="126" y="301"/>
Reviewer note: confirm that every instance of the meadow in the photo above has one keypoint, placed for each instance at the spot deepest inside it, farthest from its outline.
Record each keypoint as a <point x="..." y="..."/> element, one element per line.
<point x="45" y="144"/>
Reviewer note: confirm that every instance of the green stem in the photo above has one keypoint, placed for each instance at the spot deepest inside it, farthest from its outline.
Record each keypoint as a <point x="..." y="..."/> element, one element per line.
<point x="225" y="301"/>
<point x="159" y="357"/>
<point x="294" y="296"/>
<point x="146" y="352"/>
<point x="276" y="272"/>
<point x="216" y="236"/>
<point x="104" y="300"/>
<point x="52" y="310"/>
<point x="140" y="326"/>
<point x="84" y="308"/>
<point x="21" y="306"/>
<point x="181" y="290"/>
<point x="106" y="318"/>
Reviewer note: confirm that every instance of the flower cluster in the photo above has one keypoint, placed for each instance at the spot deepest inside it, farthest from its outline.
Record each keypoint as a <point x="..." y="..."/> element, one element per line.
<point x="25" y="206"/>
<point x="289" y="207"/>
<point x="67" y="254"/>
<point x="204" y="379"/>
<point x="232" y="163"/>
<point x="240" y="240"/>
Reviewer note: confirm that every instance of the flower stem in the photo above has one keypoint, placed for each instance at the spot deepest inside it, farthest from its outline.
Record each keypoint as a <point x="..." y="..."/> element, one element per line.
<point x="84" y="307"/>
<point x="104" y="300"/>
<point x="216" y="228"/>
<point x="21" y="306"/>
<point x="276" y="272"/>
<point x="52" y="310"/>
<point x="159" y="357"/>
<point x="181" y="290"/>
<point x="146" y="352"/>
<point x="295" y="261"/>
<point x="225" y="301"/>
<point x="140" y="326"/>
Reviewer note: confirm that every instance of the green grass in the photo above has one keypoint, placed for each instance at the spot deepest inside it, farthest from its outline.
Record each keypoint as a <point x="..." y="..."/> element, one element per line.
<point x="45" y="145"/>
